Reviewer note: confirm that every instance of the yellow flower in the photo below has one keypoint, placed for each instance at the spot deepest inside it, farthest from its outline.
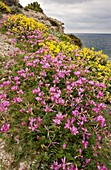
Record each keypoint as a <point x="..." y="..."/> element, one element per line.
<point x="4" y="8"/>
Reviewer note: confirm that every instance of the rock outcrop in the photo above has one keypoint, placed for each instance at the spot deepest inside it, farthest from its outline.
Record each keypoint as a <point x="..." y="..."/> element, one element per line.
<point x="43" y="18"/>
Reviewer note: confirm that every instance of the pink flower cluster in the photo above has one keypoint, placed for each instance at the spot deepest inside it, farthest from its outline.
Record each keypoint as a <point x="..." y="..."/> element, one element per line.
<point x="63" y="165"/>
<point x="5" y="128"/>
<point x="59" y="117"/>
<point x="34" y="123"/>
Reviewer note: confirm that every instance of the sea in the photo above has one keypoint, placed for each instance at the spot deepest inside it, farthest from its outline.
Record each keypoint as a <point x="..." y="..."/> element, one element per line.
<point x="98" y="41"/>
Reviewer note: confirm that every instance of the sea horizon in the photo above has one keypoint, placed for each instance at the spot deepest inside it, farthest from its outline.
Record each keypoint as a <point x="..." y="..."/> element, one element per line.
<point x="100" y="41"/>
<point x="88" y="33"/>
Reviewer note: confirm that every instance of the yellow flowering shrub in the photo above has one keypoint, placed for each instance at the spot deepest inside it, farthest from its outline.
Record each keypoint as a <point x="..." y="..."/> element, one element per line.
<point x="54" y="47"/>
<point x="4" y="8"/>
<point x="99" y="66"/>
<point x="20" y="24"/>
<point x="90" y="54"/>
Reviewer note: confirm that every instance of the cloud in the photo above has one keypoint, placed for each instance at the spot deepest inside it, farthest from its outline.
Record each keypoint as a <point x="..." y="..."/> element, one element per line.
<point x="67" y="1"/>
<point x="80" y="15"/>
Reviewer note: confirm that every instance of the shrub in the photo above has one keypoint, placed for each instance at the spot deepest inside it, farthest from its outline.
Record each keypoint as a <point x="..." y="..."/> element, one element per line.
<point x="4" y="8"/>
<point x="67" y="38"/>
<point x="75" y="40"/>
<point x="34" y="6"/>
<point x="99" y="66"/>
<point x="20" y="24"/>
<point x="53" y="23"/>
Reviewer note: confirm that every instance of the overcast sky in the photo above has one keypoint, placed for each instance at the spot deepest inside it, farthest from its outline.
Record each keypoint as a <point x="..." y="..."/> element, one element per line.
<point x="79" y="16"/>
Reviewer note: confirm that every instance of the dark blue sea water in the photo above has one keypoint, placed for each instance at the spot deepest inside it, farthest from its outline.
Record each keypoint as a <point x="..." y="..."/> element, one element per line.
<point x="98" y="41"/>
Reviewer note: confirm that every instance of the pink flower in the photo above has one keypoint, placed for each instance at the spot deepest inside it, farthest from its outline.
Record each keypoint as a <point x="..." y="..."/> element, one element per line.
<point x="5" y="83"/>
<point x="3" y="96"/>
<point x="100" y="94"/>
<point x="16" y="78"/>
<point x="23" y="123"/>
<point x="23" y="36"/>
<point x="5" y="128"/>
<point x="22" y="110"/>
<point x="64" y="164"/>
<point x="75" y="51"/>
<point x="48" y="109"/>
<point x="102" y="106"/>
<point x="96" y="109"/>
<point x="75" y="112"/>
<point x="61" y="101"/>
<point x="101" y="120"/>
<point x="16" y="50"/>
<point x="29" y="110"/>
<point x="99" y="137"/>
<point x="74" y="84"/>
<point x="74" y="130"/>
<point x="87" y="161"/>
<point x="20" y="91"/>
<point x="64" y="145"/>
<point x="5" y="103"/>
<point x="61" y="75"/>
<point x="83" y="118"/>
<point x="17" y="82"/>
<point x="77" y="55"/>
<point x="101" y="167"/>
<point x="85" y="144"/>
<point x="43" y="73"/>
<point x="67" y="125"/>
<point x="69" y="88"/>
<point x="17" y="100"/>
<point x="102" y="85"/>
<point x="31" y="74"/>
<point x="55" y="166"/>
<point x="97" y="84"/>
<point x="34" y="123"/>
<point x="79" y="82"/>
<point x="38" y="98"/>
<point x="52" y="89"/>
<point x="57" y="121"/>
<point x="58" y="118"/>
<point x="36" y="91"/>
<point x="73" y="120"/>
<point x="91" y="82"/>
<point x="10" y="53"/>
<point x="14" y="88"/>
<point x="77" y="73"/>
<point x="46" y="65"/>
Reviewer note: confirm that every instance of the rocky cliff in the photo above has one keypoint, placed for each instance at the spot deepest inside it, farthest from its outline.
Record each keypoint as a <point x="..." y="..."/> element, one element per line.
<point x="41" y="17"/>
<point x="35" y="11"/>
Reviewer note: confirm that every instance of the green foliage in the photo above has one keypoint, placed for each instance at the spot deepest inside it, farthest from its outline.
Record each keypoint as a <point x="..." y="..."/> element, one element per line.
<point x="34" y="6"/>
<point x="67" y="38"/>
<point x="75" y="40"/>
<point x="53" y="23"/>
